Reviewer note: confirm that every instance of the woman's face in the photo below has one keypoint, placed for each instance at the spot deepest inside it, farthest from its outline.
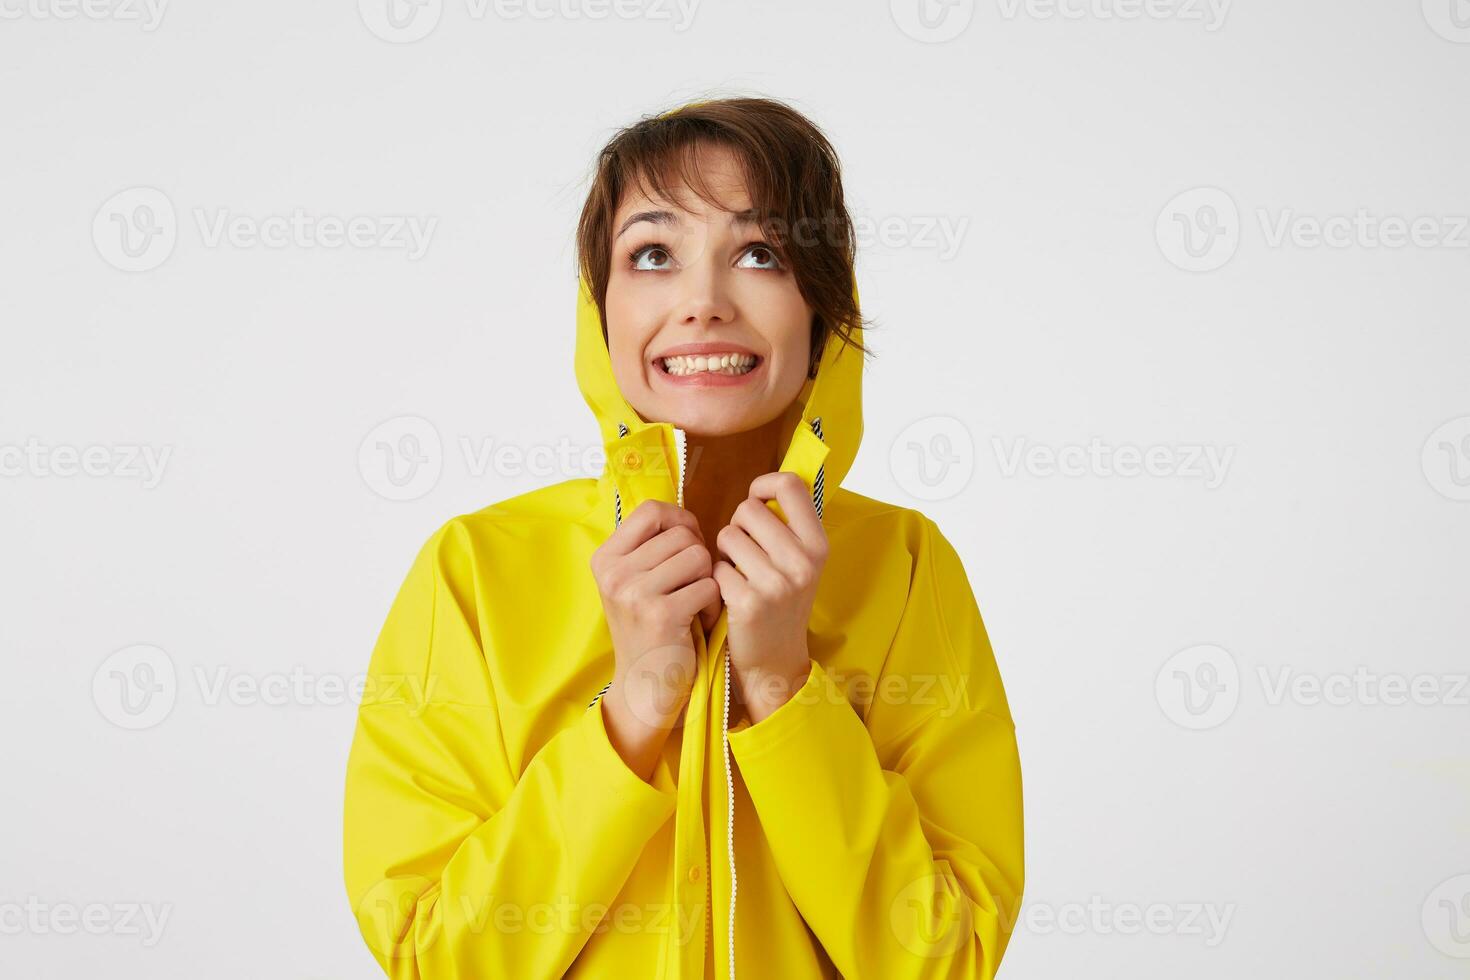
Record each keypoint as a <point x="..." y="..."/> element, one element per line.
<point x="693" y="280"/>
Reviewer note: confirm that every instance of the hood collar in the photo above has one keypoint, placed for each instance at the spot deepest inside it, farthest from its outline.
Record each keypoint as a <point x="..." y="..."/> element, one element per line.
<point x="820" y="454"/>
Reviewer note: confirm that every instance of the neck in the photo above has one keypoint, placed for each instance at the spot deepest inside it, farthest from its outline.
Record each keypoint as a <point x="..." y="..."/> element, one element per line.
<point x="720" y="470"/>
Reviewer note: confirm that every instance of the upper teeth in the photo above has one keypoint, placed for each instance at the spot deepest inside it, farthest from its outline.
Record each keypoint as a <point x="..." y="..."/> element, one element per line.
<point x="716" y="363"/>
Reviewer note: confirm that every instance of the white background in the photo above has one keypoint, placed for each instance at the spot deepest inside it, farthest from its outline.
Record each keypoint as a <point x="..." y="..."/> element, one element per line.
<point x="266" y="549"/>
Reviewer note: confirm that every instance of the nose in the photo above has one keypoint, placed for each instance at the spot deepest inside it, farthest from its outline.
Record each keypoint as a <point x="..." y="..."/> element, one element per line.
<point x="706" y="296"/>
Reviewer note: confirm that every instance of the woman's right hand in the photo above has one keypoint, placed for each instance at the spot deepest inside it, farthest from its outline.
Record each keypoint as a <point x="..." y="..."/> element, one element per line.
<point x="653" y="574"/>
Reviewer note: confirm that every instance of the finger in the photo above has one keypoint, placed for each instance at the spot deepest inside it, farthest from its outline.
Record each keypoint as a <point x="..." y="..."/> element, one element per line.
<point x="661" y="547"/>
<point x="710" y="614"/>
<point x="779" y="542"/>
<point x="689" y="565"/>
<point x="695" y="597"/>
<point x="791" y="492"/>
<point x="748" y="558"/>
<point x="734" y="589"/>
<point x="648" y="519"/>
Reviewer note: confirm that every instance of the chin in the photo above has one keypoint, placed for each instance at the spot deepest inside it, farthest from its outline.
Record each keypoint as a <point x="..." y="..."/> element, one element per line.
<point x="708" y="424"/>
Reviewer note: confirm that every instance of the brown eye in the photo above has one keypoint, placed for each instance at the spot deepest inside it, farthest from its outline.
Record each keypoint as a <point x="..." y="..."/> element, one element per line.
<point x="651" y="258"/>
<point x="764" y="257"/>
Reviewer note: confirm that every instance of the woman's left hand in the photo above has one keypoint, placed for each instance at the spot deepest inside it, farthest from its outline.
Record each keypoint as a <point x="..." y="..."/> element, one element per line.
<point x="769" y="589"/>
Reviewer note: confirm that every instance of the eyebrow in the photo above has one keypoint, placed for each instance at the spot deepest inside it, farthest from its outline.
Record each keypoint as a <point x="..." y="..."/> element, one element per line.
<point x="750" y="216"/>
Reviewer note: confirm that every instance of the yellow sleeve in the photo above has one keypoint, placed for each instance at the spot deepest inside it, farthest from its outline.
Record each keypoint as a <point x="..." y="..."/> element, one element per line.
<point x="456" y="865"/>
<point x="905" y="854"/>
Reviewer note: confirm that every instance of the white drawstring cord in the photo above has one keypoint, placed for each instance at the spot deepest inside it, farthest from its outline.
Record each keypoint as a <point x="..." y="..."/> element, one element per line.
<point x="730" y="823"/>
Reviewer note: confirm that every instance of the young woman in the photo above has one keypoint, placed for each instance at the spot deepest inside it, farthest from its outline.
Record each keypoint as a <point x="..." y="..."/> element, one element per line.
<point x="605" y="716"/>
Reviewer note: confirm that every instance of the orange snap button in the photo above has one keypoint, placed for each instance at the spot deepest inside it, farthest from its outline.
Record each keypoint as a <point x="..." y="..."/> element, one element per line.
<point x="632" y="460"/>
<point x="695" y="873"/>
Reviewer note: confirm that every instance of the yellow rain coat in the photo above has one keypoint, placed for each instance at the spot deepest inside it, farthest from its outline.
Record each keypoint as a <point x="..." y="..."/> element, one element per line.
<point x="492" y="830"/>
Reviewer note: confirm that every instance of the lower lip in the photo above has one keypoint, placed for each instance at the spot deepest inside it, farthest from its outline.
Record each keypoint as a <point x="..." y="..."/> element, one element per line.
<point x="706" y="379"/>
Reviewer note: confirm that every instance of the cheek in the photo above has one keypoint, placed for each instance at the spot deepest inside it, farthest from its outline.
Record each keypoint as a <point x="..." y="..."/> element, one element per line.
<point x="628" y="328"/>
<point x="791" y="324"/>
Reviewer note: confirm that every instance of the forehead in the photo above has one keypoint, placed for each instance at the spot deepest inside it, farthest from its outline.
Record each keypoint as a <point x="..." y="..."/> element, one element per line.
<point x="720" y="173"/>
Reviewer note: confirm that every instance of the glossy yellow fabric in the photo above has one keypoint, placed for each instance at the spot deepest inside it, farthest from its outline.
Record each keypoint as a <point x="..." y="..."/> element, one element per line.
<point x="491" y="829"/>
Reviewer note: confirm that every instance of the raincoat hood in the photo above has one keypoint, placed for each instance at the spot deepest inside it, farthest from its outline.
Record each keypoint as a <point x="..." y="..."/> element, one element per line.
<point x="824" y="442"/>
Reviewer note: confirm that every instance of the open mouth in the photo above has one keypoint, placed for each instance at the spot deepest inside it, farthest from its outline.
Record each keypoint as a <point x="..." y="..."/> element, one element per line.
<point x="728" y="364"/>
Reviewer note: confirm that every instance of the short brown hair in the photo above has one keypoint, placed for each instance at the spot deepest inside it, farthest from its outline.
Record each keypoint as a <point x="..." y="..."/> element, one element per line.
<point x="793" y="178"/>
